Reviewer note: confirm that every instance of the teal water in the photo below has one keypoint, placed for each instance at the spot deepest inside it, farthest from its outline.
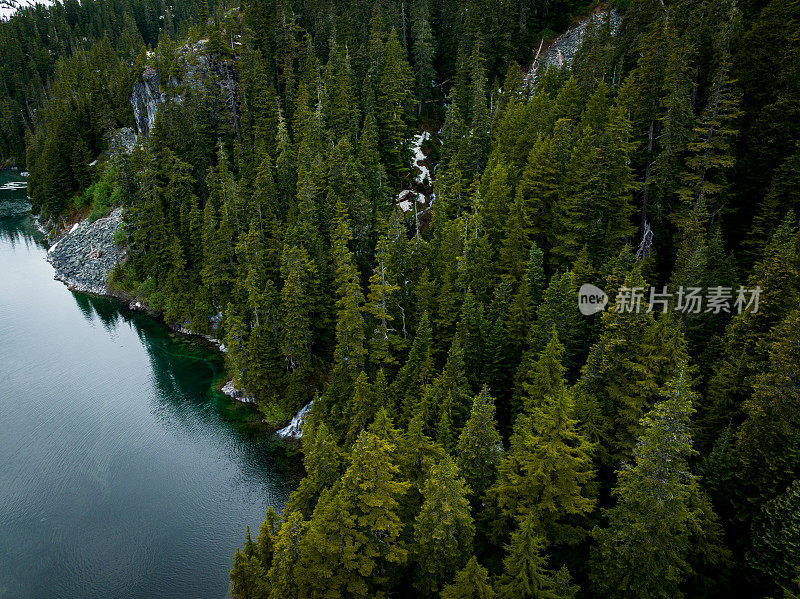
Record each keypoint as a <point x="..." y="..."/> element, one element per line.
<point x="122" y="473"/>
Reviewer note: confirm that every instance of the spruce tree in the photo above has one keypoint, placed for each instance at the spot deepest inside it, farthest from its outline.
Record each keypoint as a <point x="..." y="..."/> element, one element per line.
<point x="525" y="574"/>
<point x="350" y="351"/>
<point x="661" y="513"/>
<point x="380" y="305"/>
<point x="472" y="582"/>
<point x="443" y="531"/>
<point x="353" y="536"/>
<point x="479" y="447"/>
<point x="546" y="472"/>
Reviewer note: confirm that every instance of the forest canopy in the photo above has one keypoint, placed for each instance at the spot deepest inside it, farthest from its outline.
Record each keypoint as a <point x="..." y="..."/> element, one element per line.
<point x="382" y="207"/>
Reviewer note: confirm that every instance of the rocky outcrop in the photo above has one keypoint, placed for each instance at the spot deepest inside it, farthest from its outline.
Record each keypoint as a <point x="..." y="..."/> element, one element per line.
<point x="562" y="50"/>
<point x="84" y="258"/>
<point x="122" y="141"/>
<point x="145" y="99"/>
<point x="199" y="69"/>
<point x="231" y="391"/>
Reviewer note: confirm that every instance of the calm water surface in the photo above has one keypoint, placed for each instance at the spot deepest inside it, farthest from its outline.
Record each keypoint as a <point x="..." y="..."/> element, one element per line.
<point x="122" y="473"/>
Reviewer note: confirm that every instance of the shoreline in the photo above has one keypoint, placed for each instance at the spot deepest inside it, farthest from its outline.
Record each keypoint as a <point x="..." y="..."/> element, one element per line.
<point x="83" y="255"/>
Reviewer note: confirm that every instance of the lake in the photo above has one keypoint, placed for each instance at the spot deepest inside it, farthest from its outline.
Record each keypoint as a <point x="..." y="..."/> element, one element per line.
<point x="123" y="473"/>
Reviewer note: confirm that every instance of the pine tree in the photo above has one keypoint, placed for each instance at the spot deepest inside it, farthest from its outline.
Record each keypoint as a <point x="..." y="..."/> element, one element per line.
<point x="353" y="536"/>
<point x="768" y="441"/>
<point x="543" y="377"/>
<point x="322" y="460"/>
<point x="350" y="351"/>
<point x="479" y="447"/>
<point x="635" y="355"/>
<point x="443" y="530"/>
<point x="265" y="542"/>
<point x="285" y="571"/>
<point x="406" y="388"/>
<point x="525" y="573"/>
<point x="297" y="272"/>
<point x="661" y="513"/>
<point x="422" y="49"/>
<point x="546" y="472"/>
<point x="248" y="577"/>
<point x="711" y="152"/>
<point x="362" y="407"/>
<point x="558" y="309"/>
<point x="472" y="582"/>
<point x="394" y="98"/>
<point x="380" y="306"/>
<point x="774" y="534"/>
<point x="417" y="453"/>
<point x="746" y="343"/>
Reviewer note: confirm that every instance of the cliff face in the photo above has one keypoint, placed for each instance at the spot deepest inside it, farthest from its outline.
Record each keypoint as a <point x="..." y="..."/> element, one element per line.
<point x="145" y="100"/>
<point x="199" y="71"/>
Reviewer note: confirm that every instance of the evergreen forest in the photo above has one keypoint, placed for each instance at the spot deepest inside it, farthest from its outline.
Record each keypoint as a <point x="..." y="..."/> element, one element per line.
<point x="383" y="208"/>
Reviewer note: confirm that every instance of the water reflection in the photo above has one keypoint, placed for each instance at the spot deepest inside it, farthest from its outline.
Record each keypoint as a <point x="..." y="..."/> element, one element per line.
<point x="122" y="472"/>
<point x="182" y="368"/>
<point x="21" y="229"/>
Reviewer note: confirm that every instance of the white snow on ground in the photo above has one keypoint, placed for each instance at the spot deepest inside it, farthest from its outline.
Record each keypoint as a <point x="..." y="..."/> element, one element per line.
<point x="75" y="226"/>
<point x="9" y="7"/>
<point x="419" y="157"/>
<point x="406" y="197"/>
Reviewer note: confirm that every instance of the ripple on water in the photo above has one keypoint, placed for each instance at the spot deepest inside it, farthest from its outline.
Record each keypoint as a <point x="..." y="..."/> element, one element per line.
<point x="120" y="473"/>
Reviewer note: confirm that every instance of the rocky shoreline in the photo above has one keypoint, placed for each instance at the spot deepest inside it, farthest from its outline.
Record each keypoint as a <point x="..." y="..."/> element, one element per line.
<point x="84" y="258"/>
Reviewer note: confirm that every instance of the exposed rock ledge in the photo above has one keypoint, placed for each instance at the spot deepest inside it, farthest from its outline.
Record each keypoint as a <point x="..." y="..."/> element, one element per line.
<point x="84" y="258"/>
<point x="231" y="391"/>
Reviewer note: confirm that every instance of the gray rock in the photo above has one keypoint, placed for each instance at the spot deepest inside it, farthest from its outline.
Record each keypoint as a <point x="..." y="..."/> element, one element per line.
<point x="198" y="69"/>
<point x="145" y="99"/>
<point x="562" y="50"/>
<point x="85" y="257"/>
<point x="122" y="141"/>
<point x="231" y="391"/>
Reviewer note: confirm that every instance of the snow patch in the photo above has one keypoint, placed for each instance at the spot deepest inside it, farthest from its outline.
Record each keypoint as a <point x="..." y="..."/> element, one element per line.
<point x="419" y="157"/>
<point x="8" y="8"/>
<point x="406" y="198"/>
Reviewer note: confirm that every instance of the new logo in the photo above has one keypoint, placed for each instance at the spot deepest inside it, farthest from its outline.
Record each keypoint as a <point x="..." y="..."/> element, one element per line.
<point x="591" y="299"/>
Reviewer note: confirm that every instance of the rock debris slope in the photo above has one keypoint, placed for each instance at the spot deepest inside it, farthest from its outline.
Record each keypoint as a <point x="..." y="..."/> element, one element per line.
<point x="84" y="258"/>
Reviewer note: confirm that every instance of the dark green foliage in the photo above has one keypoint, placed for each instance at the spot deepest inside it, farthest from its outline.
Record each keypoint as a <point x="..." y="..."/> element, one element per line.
<point x="525" y="575"/>
<point x="470" y="583"/>
<point x="662" y="515"/>
<point x="465" y="411"/>
<point x="443" y="529"/>
<point x="479" y="446"/>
